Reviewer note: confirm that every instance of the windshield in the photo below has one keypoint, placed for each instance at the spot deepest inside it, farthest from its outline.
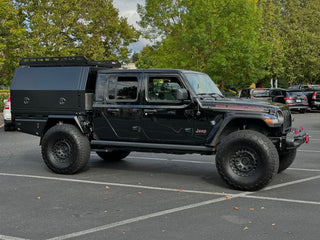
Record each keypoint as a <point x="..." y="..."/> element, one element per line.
<point x="202" y="84"/>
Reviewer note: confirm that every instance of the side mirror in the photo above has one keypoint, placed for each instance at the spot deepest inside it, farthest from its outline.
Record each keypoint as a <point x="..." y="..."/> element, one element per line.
<point x="182" y="94"/>
<point x="5" y="101"/>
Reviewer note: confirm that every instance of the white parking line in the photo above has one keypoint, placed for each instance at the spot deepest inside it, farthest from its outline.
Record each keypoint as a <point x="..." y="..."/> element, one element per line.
<point x="187" y="207"/>
<point x="165" y="212"/>
<point x="282" y="200"/>
<point x="309" y="151"/>
<point x="138" y="219"/>
<point x="113" y="184"/>
<point x="3" y="237"/>
<point x="292" y="182"/>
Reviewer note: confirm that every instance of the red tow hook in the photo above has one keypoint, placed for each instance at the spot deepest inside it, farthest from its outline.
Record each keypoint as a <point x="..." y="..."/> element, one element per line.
<point x="307" y="139"/>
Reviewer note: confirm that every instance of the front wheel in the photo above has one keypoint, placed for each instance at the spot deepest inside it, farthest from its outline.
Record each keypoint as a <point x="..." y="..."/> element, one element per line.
<point x="286" y="158"/>
<point x="247" y="160"/>
<point x="65" y="149"/>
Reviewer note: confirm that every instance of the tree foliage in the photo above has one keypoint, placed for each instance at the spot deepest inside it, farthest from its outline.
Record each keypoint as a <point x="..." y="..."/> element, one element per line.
<point x="292" y="27"/>
<point x="220" y="38"/>
<point x="236" y="42"/>
<point x="12" y="39"/>
<point x="69" y="27"/>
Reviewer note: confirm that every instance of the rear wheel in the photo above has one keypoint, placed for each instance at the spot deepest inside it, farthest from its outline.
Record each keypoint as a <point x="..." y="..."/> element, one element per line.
<point x="286" y="158"/>
<point x="247" y="160"/>
<point x="65" y="149"/>
<point x="115" y="155"/>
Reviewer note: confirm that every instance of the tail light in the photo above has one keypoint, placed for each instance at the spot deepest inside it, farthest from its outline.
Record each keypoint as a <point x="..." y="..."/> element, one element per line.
<point x="7" y="105"/>
<point x="305" y="98"/>
<point x="314" y="96"/>
<point x="288" y="98"/>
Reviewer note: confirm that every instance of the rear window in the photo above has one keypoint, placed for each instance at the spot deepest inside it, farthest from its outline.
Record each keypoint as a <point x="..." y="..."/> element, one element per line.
<point x="261" y="93"/>
<point x="294" y="94"/>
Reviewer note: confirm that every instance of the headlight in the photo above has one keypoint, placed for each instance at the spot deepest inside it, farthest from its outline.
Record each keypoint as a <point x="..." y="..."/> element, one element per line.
<point x="276" y="119"/>
<point x="280" y="116"/>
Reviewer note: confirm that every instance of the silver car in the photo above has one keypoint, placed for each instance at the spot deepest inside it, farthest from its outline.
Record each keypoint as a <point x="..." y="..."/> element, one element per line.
<point x="8" y="123"/>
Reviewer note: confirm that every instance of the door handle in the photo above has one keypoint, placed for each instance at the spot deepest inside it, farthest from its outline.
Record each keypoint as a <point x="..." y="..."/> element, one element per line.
<point x="150" y="110"/>
<point x="115" y="110"/>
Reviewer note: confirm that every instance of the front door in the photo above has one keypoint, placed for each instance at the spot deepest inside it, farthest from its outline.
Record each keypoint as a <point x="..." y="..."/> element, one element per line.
<point x="165" y="119"/>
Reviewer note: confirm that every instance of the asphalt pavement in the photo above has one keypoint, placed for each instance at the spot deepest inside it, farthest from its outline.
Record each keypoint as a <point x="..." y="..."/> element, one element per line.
<point x="154" y="196"/>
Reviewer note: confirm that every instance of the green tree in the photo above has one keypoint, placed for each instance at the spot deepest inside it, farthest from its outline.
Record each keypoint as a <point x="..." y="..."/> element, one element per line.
<point x="12" y="39"/>
<point x="219" y="37"/>
<point x="77" y="27"/>
<point x="292" y="28"/>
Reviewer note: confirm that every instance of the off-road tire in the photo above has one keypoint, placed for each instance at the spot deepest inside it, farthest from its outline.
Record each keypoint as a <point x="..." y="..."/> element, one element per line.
<point x="286" y="158"/>
<point x="115" y="155"/>
<point x="65" y="149"/>
<point x="247" y="160"/>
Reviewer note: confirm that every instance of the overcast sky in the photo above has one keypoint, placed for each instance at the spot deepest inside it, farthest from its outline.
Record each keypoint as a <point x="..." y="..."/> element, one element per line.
<point x="128" y="9"/>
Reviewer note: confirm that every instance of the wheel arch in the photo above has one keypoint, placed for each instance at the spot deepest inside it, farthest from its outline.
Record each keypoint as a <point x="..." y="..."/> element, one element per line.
<point x="233" y="122"/>
<point x="61" y="119"/>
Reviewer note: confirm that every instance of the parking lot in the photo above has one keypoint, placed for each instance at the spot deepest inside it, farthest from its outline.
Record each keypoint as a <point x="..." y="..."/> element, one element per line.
<point x="154" y="196"/>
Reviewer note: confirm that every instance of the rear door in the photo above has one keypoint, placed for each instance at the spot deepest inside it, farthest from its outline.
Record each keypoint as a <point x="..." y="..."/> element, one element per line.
<point x="117" y="115"/>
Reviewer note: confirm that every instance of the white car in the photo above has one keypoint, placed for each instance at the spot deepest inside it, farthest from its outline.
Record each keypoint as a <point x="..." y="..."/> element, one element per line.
<point x="8" y="123"/>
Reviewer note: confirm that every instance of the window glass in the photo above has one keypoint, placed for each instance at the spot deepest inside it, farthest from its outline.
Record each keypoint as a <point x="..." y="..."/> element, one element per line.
<point x="163" y="88"/>
<point x="261" y="93"/>
<point x="122" y="88"/>
<point x="100" y="88"/>
<point x="127" y="88"/>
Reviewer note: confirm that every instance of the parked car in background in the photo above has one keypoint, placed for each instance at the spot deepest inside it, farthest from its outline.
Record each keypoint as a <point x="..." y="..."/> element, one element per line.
<point x="312" y="92"/>
<point x="8" y="122"/>
<point x="256" y="93"/>
<point x="294" y="99"/>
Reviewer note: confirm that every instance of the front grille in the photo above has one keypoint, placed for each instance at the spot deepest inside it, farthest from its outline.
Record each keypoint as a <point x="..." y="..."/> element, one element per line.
<point x="287" y="119"/>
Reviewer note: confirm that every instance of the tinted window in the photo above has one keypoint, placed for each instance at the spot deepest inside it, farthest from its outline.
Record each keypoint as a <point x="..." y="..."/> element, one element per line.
<point x="244" y="93"/>
<point x="294" y="94"/>
<point x="122" y="88"/>
<point x="162" y="88"/>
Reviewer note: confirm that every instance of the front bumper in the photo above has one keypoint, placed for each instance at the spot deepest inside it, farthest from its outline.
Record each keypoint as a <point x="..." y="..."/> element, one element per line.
<point x="295" y="137"/>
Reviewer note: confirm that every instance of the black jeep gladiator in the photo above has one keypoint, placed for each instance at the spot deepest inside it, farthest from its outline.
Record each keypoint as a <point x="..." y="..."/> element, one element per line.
<point x="76" y="106"/>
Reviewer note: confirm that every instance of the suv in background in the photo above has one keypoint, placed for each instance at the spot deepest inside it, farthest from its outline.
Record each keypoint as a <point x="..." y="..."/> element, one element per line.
<point x="294" y="99"/>
<point x="256" y="93"/>
<point x="312" y="92"/>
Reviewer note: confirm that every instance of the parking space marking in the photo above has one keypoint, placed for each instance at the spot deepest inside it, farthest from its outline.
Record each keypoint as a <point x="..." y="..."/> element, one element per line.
<point x="304" y="169"/>
<point x="292" y="183"/>
<point x="114" y="184"/>
<point x="183" y="208"/>
<point x="141" y="218"/>
<point x="3" y="237"/>
<point x="282" y="199"/>
<point x="165" y="212"/>
<point x="309" y="151"/>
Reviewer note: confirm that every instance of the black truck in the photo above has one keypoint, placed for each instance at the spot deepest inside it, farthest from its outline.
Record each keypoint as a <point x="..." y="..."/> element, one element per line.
<point x="76" y="106"/>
